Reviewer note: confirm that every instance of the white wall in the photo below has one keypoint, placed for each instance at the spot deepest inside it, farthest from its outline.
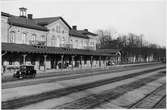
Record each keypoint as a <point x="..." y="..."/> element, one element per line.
<point x="4" y="28"/>
<point x="64" y="33"/>
<point x="92" y="41"/>
<point x="78" y="44"/>
<point x="29" y="32"/>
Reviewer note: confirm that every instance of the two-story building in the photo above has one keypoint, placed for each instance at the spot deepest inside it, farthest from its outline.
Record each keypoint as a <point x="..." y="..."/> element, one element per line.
<point x="47" y="43"/>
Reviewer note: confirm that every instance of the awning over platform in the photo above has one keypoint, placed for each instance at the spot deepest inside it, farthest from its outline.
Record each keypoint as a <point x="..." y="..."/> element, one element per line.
<point x="23" y="48"/>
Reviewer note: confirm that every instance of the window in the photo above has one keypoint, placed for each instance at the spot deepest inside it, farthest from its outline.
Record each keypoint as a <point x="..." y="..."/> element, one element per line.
<point x="76" y="43"/>
<point x="24" y="37"/>
<point x="86" y="43"/>
<point x="81" y="42"/>
<point x="33" y="37"/>
<point x="43" y="38"/>
<point x="12" y="37"/>
<point x="58" y="28"/>
<point x="63" y="40"/>
<point x="53" y="41"/>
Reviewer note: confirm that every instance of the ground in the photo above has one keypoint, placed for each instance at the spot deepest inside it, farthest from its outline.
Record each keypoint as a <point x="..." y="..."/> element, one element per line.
<point x="132" y="86"/>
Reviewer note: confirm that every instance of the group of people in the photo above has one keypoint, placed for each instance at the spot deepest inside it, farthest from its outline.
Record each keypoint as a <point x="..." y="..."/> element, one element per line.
<point x="67" y="65"/>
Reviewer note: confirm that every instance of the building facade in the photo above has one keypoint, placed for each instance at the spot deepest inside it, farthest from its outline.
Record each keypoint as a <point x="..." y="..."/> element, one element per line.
<point x="47" y="43"/>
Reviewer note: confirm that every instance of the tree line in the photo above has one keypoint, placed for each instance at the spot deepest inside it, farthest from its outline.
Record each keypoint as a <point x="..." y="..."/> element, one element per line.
<point x="133" y="48"/>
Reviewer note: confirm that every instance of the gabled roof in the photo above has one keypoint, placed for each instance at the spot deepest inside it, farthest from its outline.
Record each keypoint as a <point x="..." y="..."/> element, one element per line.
<point x="76" y="33"/>
<point x="48" y="20"/>
<point x="25" y="22"/>
<point x="86" y="32"/>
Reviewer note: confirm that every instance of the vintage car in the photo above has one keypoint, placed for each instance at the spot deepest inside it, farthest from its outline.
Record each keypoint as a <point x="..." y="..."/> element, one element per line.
<point x="25" y="71"/>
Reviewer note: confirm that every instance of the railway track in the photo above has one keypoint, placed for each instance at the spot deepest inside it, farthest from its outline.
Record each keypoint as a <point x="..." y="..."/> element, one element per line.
<point x="94" y="100"/>
<point x="64" y="77"/>
<point x="161" y="103"/>
<point x="20" y="102"/>
<point x="158" y="95"/>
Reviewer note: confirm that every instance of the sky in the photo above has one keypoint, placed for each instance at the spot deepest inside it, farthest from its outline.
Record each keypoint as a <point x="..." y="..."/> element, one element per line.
<point x="145" y="17"/>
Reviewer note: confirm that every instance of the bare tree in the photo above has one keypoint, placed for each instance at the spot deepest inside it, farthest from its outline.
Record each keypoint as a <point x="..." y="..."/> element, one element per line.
<point x="132" y="46"/>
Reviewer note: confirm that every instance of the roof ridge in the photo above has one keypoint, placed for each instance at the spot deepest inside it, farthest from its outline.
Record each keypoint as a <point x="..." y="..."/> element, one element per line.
<point x="48" y="17"/>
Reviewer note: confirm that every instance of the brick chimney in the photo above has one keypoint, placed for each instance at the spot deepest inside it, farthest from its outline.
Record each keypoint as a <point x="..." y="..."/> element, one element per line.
<point x="30" y="16"/>
<point x="86" y="30"/>
<point x="74" y="27"/>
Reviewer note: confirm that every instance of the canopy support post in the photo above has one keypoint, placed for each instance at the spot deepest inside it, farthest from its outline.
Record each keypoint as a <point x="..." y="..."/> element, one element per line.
<point x="72" y="61"/>
<point x="62" y="56"/>
<point x="91" y="60"/>
<point x="24" y="59"/>
<point x="45" y="56"/>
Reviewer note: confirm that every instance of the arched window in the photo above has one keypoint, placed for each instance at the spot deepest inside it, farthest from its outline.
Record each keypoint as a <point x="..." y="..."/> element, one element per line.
<point x="63" y="40"/>
<point x="53" y="41"/>
<point x="12" y="37"/>
<point x="58" y="28"/>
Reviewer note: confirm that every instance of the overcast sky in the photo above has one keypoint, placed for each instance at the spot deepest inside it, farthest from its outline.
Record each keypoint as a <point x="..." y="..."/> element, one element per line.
<point x="137" y="16"/>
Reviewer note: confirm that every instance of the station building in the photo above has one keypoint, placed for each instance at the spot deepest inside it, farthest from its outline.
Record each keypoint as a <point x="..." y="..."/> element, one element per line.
<point x="49" y="43"/>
